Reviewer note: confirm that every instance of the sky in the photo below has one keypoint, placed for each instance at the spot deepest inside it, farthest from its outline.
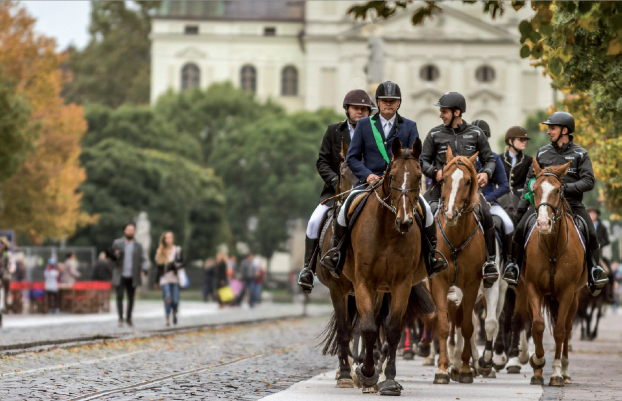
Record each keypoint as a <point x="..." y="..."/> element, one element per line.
<point x="67" y="21"/>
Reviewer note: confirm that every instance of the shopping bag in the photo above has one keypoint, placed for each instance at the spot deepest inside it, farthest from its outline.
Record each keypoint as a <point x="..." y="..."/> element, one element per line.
<point x="183" y="278"/>
<point x="225" y="294"/>
<point x="236" y="286"/>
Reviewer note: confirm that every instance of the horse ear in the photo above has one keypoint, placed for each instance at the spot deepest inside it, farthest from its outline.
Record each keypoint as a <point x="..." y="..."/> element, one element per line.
<point x="450" y="154"/>
<point x="416" y="149"/>
<point x="536" y="167"/>
<point x="396" y="148"/>
<point x="562" y="170"/>
<point x="473" y="159"/>
<point x="344" y="149"/>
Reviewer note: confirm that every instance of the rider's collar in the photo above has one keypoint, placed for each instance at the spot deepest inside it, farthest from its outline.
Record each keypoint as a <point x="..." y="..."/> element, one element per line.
<point x="398" y="118"/>
<point x="564" y="146"/>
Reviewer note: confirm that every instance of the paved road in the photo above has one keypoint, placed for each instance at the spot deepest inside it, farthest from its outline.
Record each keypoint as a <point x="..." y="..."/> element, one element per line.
<point x="275" y="360"/>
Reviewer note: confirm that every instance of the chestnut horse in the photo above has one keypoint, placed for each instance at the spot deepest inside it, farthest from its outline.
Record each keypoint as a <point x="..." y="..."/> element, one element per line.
<point x="459" y="230"/>
<point x="555" y="271"/>
<point x="384" y="261"/>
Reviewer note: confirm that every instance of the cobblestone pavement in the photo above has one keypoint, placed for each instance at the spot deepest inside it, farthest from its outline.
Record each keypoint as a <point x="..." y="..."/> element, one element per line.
<point x="244" y="362"/>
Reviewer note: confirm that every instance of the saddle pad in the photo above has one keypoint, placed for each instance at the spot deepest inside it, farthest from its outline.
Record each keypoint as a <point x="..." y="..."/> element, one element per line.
<point x="354" y="204"/>
<point x="357" y="211"/>
<point x="531" y="225"/>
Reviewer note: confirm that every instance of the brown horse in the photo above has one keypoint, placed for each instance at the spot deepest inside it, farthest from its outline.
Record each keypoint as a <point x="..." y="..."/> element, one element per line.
<point x="555" y="271"/>
<point x="338" y="331"/>
<point x="457" y="225"/>
<point x="385" y="257"/>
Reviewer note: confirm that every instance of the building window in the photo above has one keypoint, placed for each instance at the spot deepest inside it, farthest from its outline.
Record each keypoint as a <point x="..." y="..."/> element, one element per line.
<point x="190" y="76"/>
<point x="269" y="31"/>
<point x="248" y="78"/>
<point x="191" y="30"/>
<point x="485" y="74"/>
<point x="289" y="81"/>
<point x="429" y="73"/>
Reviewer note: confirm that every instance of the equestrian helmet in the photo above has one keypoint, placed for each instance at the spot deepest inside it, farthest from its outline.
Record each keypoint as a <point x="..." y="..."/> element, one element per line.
<point x="515" y="132"/>
<point x="483" y="125"/>
<point x="562" y="119"/>
<point x="357" y="97"/>
<point x="388" y="90"/>
<point x="452" y="100"/>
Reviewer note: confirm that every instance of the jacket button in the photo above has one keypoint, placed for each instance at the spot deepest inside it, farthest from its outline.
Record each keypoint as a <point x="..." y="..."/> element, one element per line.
<point x="385" y="143"/>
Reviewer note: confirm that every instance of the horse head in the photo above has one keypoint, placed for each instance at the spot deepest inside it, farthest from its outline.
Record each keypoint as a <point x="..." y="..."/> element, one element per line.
<point x="459" y="193"/>
<point x="402" y="182"/>
<point x="548" y="191"/>
<point x="347" y="179"/>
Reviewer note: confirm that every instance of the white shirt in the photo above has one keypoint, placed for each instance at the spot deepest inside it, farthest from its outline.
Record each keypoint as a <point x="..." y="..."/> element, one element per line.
<point x="351" y="128"/>
<point x="387" y="124"/>
<point x="512" y="157"/>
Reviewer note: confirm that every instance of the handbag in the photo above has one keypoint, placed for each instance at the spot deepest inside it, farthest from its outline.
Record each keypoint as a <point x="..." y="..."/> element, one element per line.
<point x="225" y="294"/>
<point x="183" y="278"/>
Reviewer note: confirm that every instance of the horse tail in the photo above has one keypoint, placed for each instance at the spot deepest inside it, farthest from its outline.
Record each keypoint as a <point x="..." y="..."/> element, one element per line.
<point x="551" y="307"/>
<point x="329" y="340"/>
<point x="420" y="303"/>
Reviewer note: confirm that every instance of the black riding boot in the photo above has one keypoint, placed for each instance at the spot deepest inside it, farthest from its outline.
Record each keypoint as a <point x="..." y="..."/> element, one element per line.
<point x="333" y="260"/>
<point x="491" y="273"/>
<point x="306" y="277"/>
<point x="512" y="270"/>
<point x="433" y="264"/>
<point x="597" y="277"/>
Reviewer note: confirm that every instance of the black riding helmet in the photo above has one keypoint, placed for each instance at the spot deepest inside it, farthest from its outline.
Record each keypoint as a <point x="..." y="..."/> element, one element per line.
<point x="483" y="125"/>
<point x="452" y="100"/>
<point x="388" y="90"/>
<point x="562" y="119"/>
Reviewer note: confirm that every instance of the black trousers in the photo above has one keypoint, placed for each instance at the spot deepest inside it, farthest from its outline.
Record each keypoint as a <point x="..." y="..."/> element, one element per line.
<point x="126" y="284"/>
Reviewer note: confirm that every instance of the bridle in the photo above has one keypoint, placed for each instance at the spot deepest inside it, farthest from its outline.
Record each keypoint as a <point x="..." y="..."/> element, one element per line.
<point x="465" y="207"/>
<point x="404" y="192"/>
<point x="557" y="211"/>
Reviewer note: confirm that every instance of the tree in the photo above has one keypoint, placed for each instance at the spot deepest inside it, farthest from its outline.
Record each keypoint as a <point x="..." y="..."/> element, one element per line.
<point x="115" y="66"/>
<point x="41" y="199"/>
<point x="579" y="44"/>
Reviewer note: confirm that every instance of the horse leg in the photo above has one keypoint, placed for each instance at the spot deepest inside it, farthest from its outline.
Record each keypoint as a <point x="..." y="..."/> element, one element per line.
<point x="559" y="332"/>
<point x="491" y="326"/>
<point x="468" y="302"/>
<point x="344" y="380"/>
<point x="599" y="314"/>
<point x="455" y="361"/>
<point x="537" y="360"/>
<point x="439" y="293"/>
<point x="399" y="302"/>
<point x="569" y="321"/>
<point x="452" y="342"/>
<point x="367" y="374"/>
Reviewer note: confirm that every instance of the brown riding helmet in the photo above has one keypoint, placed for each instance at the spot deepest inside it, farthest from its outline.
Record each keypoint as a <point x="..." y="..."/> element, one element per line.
<point x="515" y="132"/>
<point x="357" y="97"/>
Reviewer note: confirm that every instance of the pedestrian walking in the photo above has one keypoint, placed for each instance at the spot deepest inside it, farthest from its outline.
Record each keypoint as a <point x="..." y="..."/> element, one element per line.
<point x="102" y="270"/>
<point x="7" y="268"/>
<point x="169" y="259"/>
<point x="208" y="284"/>
<point x="70" y="270"/>
<point x="51" y="285"/>
<point x="258" y="284"/>
<point x="220" y="274"/>
<point x="247" y="272"/>
<point x="126" y="274"/>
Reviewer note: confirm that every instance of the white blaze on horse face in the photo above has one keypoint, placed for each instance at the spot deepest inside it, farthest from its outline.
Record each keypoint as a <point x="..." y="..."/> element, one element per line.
<point x="543" y="212"/>
<point x="456" y="176"/>
<point x="404" y="197"/>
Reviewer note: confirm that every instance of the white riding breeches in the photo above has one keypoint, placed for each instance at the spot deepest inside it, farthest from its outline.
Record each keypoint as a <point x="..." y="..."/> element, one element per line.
<point x="313" y="227"/>
<point x="507" y="221"/>
<point x="429" y="219"/>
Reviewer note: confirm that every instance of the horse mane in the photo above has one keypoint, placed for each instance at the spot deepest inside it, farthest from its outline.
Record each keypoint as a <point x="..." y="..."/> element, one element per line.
<point x="474" y="190"/>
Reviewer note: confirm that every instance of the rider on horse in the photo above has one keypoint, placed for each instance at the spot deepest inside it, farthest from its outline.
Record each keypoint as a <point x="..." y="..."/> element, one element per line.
<point x="368" y="157"/>
<point x="578" y="179"/>
<point x="516" y="164"/>
<point x="357" y="105"/>
<point x="465" y="140"/>
<point x="497" y="187"/>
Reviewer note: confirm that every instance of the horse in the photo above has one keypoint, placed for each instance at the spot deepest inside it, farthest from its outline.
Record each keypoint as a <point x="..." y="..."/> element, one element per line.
<point x="338" y="331"/>
<point x="384" y="262"/>
<point x="463" y="239"/>
<point x="555" y="243"/>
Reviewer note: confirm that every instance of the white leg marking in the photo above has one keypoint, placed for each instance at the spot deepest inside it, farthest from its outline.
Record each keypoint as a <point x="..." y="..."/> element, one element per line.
<point x="565" y="363"/>
<point x="458" y="349"/>
<point x="538" y="361"/>
<point x="557" y="368"/>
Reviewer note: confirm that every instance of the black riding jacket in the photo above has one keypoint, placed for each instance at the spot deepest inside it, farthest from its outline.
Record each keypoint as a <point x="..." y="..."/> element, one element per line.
<point x="464" y="141"/>
<point x="578" y="179"/>
<point x="518" y="174"/>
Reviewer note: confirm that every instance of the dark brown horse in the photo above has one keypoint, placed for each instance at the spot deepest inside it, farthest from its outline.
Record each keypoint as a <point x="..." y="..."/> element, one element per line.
<point x="555" y="271"/>
<point x="458" y="227"/>
<point x="385" y="258"/>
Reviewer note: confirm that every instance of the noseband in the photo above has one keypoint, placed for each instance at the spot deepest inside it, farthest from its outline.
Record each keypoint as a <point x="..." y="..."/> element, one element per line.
<point x="557" y="214"/>
<point x="463" y="210"/>
<point x="403" y="192"/>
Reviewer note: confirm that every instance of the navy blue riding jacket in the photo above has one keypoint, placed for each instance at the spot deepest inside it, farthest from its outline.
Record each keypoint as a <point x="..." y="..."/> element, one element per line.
<point x="497" y="184"/>
<point x="364" y="158"/>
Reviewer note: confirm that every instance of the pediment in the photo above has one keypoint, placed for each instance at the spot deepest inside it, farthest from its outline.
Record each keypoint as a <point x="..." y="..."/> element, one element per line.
<point x="485" y="94"/>
<point x="426" y="93"/>
<point x="190" y="53"/>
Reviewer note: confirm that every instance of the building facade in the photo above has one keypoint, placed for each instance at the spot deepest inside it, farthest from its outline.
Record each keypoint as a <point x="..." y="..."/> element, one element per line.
<point x="307" y="55"/>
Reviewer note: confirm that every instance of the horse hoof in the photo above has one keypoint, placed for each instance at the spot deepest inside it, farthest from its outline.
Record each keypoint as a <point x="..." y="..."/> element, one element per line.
<point x="513" y="369"/>
<point x="345" y="383"/>
<point x="483" y="364"/>
<point x="409" y="355"/>
<point x="488" y="373"/>
<point x="556" y="381"/>
<point x="370" y="390"/>
<point x="390" y="387"/>
<point x="337" y="374"/>
<point x="455" y="375"/>
<point x="441" y="378"/>
<point x="567" y="380"/>
<point x="367" y="381"/>
<point x="499" y="361"/>
<point x="466" y="377"/>
<point x="423" y="350"/>
<point x="523" y="358"/>
<point x="537" y="380"/>
<point x="428" y="362"/>
<point x="492" y="374"/>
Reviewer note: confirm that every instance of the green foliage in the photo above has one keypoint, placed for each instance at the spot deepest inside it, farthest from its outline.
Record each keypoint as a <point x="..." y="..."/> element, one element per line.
<point x="115" y="66"/>
<point x="536" y="131"/>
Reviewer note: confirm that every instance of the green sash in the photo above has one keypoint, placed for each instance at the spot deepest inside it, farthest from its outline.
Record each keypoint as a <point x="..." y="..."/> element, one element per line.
<point x="379" y="141"/>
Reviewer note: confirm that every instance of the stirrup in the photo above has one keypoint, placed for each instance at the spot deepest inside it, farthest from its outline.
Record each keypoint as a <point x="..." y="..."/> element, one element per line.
<point x="508" y="274"/>
<point x="490" y="278"/>
<point x="434" y="270"/>
<point x="306" y="287"/>
<point x="330" y="263"/>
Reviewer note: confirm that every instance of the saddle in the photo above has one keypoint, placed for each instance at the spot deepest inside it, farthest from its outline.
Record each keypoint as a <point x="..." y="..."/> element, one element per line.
<point x="579" y="224"/>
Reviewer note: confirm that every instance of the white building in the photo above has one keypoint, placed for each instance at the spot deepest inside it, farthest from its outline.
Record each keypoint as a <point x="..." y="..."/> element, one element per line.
<point x="307" y="55"/>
